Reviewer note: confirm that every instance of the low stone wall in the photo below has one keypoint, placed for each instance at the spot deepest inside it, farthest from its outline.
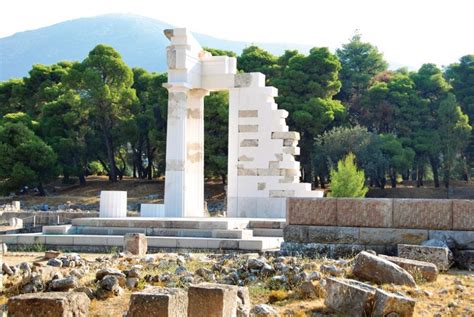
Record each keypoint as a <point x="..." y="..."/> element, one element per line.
<point x="334" y="225"/>
<point x="46" y="217"/>
<point x="431" y="214"/>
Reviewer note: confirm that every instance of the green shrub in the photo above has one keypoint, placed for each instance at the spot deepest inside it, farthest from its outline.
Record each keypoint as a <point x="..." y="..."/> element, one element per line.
<point x="347" y="180"/>
<point x="95" y="168"/>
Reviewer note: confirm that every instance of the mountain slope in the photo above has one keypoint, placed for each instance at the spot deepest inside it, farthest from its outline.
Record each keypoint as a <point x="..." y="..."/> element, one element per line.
<point x="139" y="40"/>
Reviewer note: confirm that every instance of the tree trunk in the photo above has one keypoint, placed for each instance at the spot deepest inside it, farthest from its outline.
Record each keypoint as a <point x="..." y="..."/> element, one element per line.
<point x="393" y="178"/>
<point x="110" y="155"/>
<point x="41" y="189"/>
<point x="419" y="182"/>
<point x="82" y="178"/>
<point x="149" y="152"/>
<point x="435" y="168"/>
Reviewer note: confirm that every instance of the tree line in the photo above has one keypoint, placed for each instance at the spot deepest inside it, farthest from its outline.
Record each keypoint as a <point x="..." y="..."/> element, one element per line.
<point x="99" y="116"/>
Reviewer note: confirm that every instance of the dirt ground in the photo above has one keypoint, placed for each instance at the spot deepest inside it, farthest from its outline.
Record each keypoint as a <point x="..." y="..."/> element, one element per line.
<point x="451" y="295"/>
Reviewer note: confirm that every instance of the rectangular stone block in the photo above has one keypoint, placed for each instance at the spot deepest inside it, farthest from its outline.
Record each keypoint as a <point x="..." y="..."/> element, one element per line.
<point x="349" y="297"/>
<point x="248" y="113"/>
<point x="315" y="212"/>
<point x="428" y="271"/>
<point x="247" y="128"/>
<point x="216" y="300"/>
<point x="437" y="255"/>
<point x="53" y="304"/>
<point x="249" y="143"/>
<point x="135" y="243"/>
<point x="422" y="213"/>
<point x="332" y="235"/>
<point x="364" y="212"/>
<point x="464" y="239"/>
<point x="389" y="304"/>
<point x="159" y="302"/>
<point x="391" y="236"/>
<point x="463" y="214"/>
<point x="295" y="233"/>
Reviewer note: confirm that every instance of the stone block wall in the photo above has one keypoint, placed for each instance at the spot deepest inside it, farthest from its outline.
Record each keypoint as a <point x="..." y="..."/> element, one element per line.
<point x="378" y="223"/>
<point x="262" y="169"/>
<point x="429" y="214"/>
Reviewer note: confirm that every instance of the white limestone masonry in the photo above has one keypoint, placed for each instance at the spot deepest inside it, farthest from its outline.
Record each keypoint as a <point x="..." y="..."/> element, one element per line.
<point x="262" y="170"/>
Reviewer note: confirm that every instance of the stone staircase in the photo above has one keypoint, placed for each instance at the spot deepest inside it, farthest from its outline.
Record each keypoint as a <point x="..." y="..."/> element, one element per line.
<point x="190" y="233"/>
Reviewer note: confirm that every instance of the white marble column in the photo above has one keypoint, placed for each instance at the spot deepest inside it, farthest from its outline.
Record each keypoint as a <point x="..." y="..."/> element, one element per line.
<point x="184" y="183"/>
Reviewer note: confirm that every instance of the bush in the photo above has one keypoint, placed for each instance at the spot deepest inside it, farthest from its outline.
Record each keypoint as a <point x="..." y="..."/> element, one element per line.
<point x="347" y="181"/>
<point x="95" y="168"/>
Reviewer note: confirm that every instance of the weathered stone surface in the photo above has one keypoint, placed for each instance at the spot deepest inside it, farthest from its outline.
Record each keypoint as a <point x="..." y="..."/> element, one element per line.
<point x="249" y="143"/>
<point x="307" y="290"/>
<point x="465" y="259"/>
<point x="378" y="270"/>
<point x="248" y="113"/>
<point x="55" y="304"/>
<point x="262" y="310"/>
<point x="52" y="254"/>
<point x="63" y="284"/>
<point x="463" y="240"/>
<point x="439" y="256"/>
<point x="158" y="302"/>
<point x="332" y="235"/>
<point x="135" y="243"/>
<point x="353" y="212"/>
<point x="422" y="213"/>
<point x="215" y="300"/>
<point x="463" y="214"/>
<point x="391" y="236"/>
<point x="427" y="271"/>
<point x="349" y="297"/>
<point x="296" y="234"/>
<point x="99" y="275"/>
<point x="389" y="304"/>
<point x="309" y="211"/>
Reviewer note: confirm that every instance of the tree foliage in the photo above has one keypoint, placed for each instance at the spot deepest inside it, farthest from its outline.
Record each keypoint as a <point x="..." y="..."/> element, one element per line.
<point x="347" y="180"/>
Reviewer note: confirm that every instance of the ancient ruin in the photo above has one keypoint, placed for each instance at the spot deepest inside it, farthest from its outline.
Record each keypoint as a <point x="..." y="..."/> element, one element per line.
<point x="262" y="170"/>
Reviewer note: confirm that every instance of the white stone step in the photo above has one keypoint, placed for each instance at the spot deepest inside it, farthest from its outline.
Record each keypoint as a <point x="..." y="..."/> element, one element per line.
<point x="264" y="232"/>
<point x="175" y="223"/>
<point x="171" y="232"/>
<point x="251" y="244"/>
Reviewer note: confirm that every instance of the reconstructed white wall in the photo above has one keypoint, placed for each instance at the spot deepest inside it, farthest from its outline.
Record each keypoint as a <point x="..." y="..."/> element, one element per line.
<point x="262" y="170"/>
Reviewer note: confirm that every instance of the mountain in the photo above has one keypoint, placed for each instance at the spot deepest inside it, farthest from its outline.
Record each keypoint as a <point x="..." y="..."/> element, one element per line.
<point x="139" y="40"/>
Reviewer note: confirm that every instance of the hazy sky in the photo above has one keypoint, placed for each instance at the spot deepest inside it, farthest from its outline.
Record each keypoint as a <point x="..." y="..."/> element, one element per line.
<point x="409" y="32"/>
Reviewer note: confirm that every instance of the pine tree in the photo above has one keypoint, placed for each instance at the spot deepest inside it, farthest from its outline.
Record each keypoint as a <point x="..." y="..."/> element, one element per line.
<point x="347" y="180"/>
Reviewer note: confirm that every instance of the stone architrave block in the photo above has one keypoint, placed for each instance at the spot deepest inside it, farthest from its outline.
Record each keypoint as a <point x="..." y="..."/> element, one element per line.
<point x="428" y="271"/>
<point x="52" y="304"/>
<point x="423" y="213"/>
<point x="135" y="243"/>
<point x="353" y="212"/>
<point x="463" y="214"/>
<point x="159" y="302"/>
<point x="349" y="297"/>
<point x="217" y="300"/>
<point x="439" y="256"/>
<point x="389" y="304"/>
<point x="313" y="212"/>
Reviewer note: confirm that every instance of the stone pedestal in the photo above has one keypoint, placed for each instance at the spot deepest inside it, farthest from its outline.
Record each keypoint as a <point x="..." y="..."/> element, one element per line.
<point x="159" y="302"/>
<point x="113" y="204"/>
<point x="53" y="304"/>
<point x="135" y="243"/>
<point x="217" y="300"/>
